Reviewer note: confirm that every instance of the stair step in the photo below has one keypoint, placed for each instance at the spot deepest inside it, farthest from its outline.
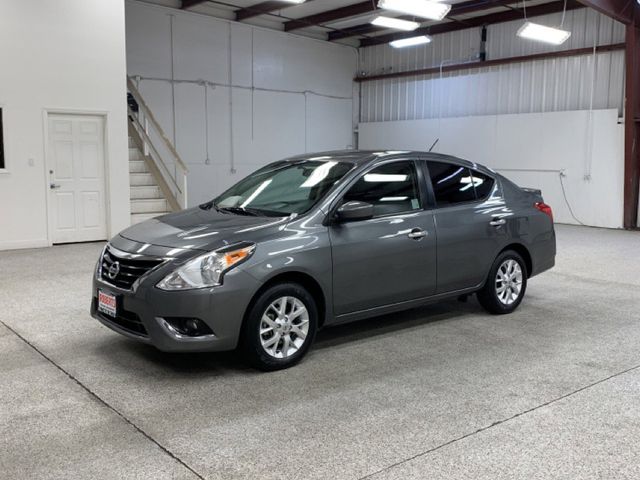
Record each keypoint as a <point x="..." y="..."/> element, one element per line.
<point x="138" y="166"/>
<point x="149" y="206"/>
<point x="141" y="217"/>
<point x="146" y="192"/>
<point x="134" y="154"/>
<point x="138" y="179"/>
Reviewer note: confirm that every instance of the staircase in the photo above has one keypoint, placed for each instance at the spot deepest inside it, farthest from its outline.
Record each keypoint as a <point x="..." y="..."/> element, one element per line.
<point x="157" y="174"/>
<point x="147" y="199"/>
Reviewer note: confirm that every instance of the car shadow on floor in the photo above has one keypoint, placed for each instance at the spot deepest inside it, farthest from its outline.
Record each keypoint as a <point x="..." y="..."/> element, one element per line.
<point x="219" y="363"/>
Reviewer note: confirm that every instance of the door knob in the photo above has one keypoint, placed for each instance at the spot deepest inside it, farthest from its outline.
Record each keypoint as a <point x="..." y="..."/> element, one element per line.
<point x="417" y="234"/>
<point x="53" y="186"/>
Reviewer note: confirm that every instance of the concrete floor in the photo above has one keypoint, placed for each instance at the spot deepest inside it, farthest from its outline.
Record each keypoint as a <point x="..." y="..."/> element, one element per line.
<point x="446" y="391"/>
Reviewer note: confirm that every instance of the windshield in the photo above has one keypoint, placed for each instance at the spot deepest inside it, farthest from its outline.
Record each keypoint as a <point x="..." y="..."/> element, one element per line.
<point x="283" y="188"/>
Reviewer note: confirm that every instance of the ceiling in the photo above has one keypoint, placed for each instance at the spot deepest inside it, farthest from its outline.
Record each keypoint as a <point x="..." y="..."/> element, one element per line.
<point x="347" y="21"/>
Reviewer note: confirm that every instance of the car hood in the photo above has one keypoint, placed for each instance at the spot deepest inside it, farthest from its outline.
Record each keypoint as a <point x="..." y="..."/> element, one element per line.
<point x="199" y="229"/>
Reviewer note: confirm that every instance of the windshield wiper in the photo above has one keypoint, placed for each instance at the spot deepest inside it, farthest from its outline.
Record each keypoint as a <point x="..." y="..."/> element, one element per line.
<point x="237" y="210"/>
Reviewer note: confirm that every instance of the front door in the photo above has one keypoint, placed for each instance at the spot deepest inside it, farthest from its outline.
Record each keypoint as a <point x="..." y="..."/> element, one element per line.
<point x="76" y="178"/>
<point x="391" y="257"/>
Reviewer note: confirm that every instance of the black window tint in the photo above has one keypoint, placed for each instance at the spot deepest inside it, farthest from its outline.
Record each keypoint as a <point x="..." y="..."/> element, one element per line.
<point x="390" y="188"/>
<point x="483" y="184"/>
<point x="451" y="183"/>
<point x="1" y="143"/>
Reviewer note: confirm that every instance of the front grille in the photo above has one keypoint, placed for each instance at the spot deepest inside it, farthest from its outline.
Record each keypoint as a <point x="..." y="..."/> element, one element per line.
<point x="128" y="269"/>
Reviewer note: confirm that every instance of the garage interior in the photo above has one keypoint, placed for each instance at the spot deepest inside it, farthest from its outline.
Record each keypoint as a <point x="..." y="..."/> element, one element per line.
<point x="175" y="101"/>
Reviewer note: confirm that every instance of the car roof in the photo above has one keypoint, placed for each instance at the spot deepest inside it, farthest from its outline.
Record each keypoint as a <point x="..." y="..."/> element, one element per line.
<point x="363" y="157"/>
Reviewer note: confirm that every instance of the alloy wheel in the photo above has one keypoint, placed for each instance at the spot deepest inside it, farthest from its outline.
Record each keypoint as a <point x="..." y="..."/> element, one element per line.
<point x="508" y="281"/>
<point x="284" y="327"/>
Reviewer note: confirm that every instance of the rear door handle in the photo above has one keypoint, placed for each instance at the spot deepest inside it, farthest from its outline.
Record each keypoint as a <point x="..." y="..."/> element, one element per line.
<point x="497" y="222"/>
<point x="417" y="234"/>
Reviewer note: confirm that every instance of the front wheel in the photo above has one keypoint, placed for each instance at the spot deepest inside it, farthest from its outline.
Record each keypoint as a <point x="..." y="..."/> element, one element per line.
<point x="280" y="327"/>
<point x="506" y="284"/>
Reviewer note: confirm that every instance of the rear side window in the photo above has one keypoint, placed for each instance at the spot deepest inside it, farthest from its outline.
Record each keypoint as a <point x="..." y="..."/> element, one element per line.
<point x="483" y="184"/>
<point x="452" y="184"/>
<point x="391" y="189"/>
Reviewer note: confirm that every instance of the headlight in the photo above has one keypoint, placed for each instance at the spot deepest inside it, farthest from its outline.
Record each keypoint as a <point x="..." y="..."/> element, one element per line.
<point x="206" y="270"/>
<point x="99" y="265"/>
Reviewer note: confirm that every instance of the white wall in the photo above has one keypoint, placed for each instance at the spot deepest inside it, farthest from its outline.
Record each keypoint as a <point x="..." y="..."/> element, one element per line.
<point x="557" y="84"/>
<point x="290" y="94"/>
<point x="530" y="149"/>
<point x="67" y="55"/>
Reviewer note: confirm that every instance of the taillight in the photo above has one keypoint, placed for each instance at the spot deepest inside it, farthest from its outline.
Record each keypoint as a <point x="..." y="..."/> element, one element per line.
<point x="544" y="208"/>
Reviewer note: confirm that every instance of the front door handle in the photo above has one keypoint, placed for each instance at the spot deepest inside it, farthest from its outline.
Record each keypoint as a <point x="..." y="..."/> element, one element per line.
<point x="417" y="234"/>
<point x="497" y="222"/>
<point x="53" y="186"/>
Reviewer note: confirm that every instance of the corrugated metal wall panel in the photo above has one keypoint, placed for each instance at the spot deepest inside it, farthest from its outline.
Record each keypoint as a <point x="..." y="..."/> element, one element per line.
<point x="572" y="83"/>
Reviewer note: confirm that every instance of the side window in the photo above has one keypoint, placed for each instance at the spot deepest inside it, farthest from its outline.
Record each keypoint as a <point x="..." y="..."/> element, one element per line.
<point x="451" y="183"/>
<point x="483" y="184"/>
<point x="391" y="188"/>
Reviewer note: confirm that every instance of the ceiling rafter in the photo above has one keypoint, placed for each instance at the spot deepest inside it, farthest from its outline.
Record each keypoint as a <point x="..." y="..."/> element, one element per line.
<point x="331" y="15"/>
<point x="191" y="3"/>
<point x="263" y="8"/>
<point x="506" y="16"/>
<point x="620" y="10"/>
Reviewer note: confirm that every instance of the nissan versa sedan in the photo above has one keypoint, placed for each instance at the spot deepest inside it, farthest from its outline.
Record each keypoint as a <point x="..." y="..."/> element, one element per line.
<point x="318" y="240"/>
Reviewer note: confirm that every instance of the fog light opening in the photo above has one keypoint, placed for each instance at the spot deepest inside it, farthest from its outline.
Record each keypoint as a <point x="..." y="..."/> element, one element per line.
<point x="189" y="327"/>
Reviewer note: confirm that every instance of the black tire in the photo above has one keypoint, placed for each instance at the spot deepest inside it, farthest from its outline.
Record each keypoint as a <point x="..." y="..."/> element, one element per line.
<point x="488" y="296"/>
<point x="251" y="339"/>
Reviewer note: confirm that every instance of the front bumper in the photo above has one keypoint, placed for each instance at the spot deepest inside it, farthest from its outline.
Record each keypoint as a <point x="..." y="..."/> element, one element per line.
<point x="144" y="312"/>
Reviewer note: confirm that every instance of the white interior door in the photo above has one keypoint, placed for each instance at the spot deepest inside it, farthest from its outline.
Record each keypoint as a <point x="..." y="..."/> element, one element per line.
<point x="76" y="178"/>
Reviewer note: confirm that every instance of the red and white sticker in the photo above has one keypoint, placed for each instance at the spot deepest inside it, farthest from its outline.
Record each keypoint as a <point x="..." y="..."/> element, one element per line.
<point x="107" y="303"/>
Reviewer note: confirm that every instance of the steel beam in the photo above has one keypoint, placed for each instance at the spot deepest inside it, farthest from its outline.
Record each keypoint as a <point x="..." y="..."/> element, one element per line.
<point x="493" y="63"/>
<point x="190" y="3"/>
<point x="262" y="8"/>
<point x="620" y="10"/>
<point x="632" y="124"/>
<point x="331" y="15"/>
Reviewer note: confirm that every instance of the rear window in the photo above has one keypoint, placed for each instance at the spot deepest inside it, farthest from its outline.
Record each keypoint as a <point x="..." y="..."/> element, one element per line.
<point x="482" y="183"/>
<point x="452" y="184"/>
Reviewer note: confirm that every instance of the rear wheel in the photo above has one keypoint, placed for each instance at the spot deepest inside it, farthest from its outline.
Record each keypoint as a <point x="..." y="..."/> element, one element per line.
<point x="280" y="327"/>
<point x="506" y="284"/>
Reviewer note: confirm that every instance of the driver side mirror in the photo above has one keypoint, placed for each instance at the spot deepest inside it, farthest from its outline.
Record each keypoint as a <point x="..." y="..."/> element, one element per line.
<point x="354" y="210"/>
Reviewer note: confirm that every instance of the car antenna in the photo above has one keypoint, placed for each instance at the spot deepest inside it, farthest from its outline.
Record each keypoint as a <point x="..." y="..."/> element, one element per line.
<point x="434" y="144"/>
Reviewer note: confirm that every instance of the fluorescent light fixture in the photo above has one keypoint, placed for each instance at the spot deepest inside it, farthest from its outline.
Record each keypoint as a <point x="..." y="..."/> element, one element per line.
<point x="410" y="42"/>
<point x="541" y="33"/>
<point x="293" y="1"/>
<point x="395" y="23"/>
<point x="420" y="8"/>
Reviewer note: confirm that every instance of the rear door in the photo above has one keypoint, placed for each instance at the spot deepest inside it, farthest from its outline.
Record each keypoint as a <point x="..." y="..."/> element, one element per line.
<point x="469" y="208"/>
<point x="391" y="257"/>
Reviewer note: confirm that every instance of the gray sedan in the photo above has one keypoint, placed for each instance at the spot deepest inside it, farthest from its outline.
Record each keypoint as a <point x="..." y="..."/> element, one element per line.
<point x="319" y="240"/>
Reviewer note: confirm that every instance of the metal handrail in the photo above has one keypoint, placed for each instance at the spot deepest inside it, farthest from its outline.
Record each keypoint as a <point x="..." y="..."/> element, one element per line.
<point x="147" y="140"/>
<point x="171" y="171"/>
<point x="133" y="90"/>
